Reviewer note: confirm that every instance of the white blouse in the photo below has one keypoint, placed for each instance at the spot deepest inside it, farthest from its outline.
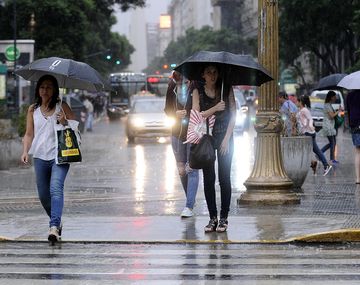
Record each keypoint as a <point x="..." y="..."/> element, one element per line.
<point x="305" y="121"/>
<point x="43" y="145"/>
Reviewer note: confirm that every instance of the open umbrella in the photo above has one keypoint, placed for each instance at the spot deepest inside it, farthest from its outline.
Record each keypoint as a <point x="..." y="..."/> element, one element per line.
<point x="69" y="73"/>
<point x="330" y="81"/>
<point x="351" y="81"/>
<point x="237" y="69"/>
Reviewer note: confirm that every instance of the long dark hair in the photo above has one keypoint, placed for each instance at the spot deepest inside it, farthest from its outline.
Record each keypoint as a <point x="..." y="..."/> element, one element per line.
<point x="305" y="101"/>
<point x="54" y="99"/>
<point x="329" y="95"/>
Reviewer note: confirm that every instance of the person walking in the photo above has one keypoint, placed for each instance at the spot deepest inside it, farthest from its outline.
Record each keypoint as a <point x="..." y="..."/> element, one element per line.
<point x="288" y="111"/>
<point x="306" y="127"/>
<point x="208" y="100"/>
<point x="328" y="128"/>
<point x="178" y="105"/>
<point x="90" y="114"/>
<point x="353" y="112"/>
<point x="39" y="140"/>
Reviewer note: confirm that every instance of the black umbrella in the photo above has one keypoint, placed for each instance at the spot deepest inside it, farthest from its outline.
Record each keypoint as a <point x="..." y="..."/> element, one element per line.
<point x="330" y="81"/>
<point x="236" y="69"/>
<point x="69" y="73"/>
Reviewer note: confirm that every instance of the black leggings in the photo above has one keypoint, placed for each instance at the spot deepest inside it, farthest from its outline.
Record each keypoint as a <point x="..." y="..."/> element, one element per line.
<point x="224" y="168"/>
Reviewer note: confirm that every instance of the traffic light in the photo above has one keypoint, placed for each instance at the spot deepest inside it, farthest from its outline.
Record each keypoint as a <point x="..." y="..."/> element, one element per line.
<point x="118" y="61"/>
<point x="165" y="66"/>
<point x="108" y="57"/>
<point x="173" y="65"/>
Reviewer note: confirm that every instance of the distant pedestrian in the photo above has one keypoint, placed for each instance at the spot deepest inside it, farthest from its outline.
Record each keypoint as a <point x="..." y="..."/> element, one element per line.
<point x="90" y="114"/>
<point x="178" y="105"/>
<point x="353" y="111"/>
<point x="306" y="127"/>
<point x="207" y="99"/>
<point x="39" y="140"/>
<point x="328" y="127"/>
<point x="288" y="111"/>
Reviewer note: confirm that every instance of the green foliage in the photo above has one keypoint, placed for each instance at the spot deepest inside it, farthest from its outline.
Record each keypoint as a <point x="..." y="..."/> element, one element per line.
<point x="196" y="40"/>
<point x="70" y="29"/>
<point x="323" y="27"/>
<point x="19" y="122"/>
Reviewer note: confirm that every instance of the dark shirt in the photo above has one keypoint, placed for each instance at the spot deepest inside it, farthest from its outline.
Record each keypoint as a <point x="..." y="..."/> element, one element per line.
<point x="353" y="108"/>
<point x="222" y="118"/>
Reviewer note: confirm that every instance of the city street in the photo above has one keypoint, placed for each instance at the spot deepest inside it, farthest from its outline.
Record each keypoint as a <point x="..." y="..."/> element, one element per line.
<point x="121" y="215"/>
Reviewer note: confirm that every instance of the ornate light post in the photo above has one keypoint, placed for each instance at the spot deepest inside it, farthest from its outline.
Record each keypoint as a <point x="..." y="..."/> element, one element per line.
<point x="268" y="182"/>
<point x="32" y="24"/>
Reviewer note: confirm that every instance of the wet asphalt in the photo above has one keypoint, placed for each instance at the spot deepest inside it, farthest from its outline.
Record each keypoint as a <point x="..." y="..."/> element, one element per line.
<point x="131" y="192"/>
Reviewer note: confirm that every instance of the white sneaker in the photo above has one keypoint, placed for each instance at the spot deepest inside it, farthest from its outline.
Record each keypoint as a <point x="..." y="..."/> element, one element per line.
<point x="187" y="213"/>
<point x="53" y="234"/>
<point x="327" y="169"/>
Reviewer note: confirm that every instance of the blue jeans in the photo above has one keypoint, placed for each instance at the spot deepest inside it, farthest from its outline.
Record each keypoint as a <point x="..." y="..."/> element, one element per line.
<point x="89" y="121"/>
<point x="50" y="179"/>
<point x="224" y="169"/>
<point x="331" y="146"/>
<point x="316" y="149"/>
<point x="189" y="177"/>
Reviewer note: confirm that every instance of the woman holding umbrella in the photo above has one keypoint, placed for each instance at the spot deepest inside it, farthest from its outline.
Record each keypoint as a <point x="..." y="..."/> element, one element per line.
<point x="39" y="140"/>
<point x="208" y="98"/>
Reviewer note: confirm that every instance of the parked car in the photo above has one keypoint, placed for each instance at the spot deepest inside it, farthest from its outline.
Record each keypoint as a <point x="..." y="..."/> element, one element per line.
<point x="242" y="111"/>
<point x="78" y="109"/>
<point x="147" y="119"/>
<point x="317" y="99"/>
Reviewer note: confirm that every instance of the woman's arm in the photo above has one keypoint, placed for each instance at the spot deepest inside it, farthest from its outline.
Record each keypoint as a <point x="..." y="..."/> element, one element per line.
<point x="65" y="114"/>
<point x="29" y="134"/>
<point x="207" y="113"/>
<point x="224" y="148"/>
<point x="332" y="114"/>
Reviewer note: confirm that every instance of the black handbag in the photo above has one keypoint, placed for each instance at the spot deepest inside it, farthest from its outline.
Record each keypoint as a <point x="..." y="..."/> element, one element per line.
<point x="202" y="154"/>
<point x="68" y="149"/>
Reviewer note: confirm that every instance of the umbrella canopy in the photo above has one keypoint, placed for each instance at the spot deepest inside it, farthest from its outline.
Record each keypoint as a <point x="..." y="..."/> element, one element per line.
<point x="69" y="73"/>
<point x="330" y="81"/>
<point x="235" y="68"/>
<point x="351" y="81"/>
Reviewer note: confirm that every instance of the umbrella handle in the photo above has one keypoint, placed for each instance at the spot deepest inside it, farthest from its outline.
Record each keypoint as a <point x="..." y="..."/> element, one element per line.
<point x="222" y="90"/>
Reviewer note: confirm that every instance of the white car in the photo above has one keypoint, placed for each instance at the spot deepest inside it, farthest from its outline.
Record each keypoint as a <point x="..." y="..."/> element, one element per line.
<point x="317" y="99"/>
<point x="146" y="118"/>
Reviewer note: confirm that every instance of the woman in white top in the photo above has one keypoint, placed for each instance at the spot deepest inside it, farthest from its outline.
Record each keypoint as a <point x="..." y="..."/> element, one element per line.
<point x="39" y="140"/>
<point x="306" y="128"/>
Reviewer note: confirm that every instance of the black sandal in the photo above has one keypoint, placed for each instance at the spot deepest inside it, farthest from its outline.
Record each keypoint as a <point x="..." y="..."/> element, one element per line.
<point x="211" y="226"/>
<point x="222" y="226"/>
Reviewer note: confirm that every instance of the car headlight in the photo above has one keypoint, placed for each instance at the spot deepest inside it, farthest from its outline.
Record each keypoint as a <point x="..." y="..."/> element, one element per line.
<point x="137" y="122"/>
<point x="169" y="122"/>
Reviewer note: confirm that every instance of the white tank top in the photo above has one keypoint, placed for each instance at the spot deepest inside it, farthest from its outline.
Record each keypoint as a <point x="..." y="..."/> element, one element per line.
<point x="43" y="145"/>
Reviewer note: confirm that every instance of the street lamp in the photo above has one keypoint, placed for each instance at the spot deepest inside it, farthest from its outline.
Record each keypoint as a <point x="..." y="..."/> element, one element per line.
<point x="268" y="182"/>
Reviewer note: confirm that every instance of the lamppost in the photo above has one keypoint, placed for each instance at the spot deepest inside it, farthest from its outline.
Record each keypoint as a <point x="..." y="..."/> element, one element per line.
<point x="268" y="182"/>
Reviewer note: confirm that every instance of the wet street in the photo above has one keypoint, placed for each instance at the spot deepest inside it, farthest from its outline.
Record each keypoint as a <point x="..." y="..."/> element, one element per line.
<point x="122" y="224"/>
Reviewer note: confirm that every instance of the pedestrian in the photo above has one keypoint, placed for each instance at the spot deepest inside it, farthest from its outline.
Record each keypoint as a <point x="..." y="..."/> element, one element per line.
<point x="306" y="127"/>
<point x="90" y="114"/>
<point x="288" y="111"/>
<point x="39" y="140"/>
<point x="328" y="127"/>
<point x="353" y="112"/>
<point x="208" y="100"/>
<point x="178" y="105"/>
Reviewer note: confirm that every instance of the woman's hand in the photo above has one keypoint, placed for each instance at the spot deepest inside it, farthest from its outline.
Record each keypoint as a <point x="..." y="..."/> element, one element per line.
<point x="224" y="147"/>
<point x="181" y="114"/>
<point x="25" y="158"/>
<point x="220" y="106"/>
<point x="60" y="117"/>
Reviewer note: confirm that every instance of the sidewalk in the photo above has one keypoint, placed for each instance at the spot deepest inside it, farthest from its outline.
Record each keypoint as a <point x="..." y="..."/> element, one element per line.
<point x="329" y="211"/>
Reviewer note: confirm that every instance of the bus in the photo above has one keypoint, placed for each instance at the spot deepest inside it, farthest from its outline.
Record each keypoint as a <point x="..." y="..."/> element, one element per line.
<point x="124" y="85"/>
<point x="128" y="85"/>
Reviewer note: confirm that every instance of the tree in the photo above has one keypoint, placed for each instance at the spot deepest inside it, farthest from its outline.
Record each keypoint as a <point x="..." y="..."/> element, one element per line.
<point x="71" y="29"/>
<point x="323" y="27"/>
<point x="196" y="40"/>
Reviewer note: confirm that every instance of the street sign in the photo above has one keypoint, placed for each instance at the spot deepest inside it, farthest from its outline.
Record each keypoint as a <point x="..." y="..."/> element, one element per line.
<point x="10" y="53"/>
